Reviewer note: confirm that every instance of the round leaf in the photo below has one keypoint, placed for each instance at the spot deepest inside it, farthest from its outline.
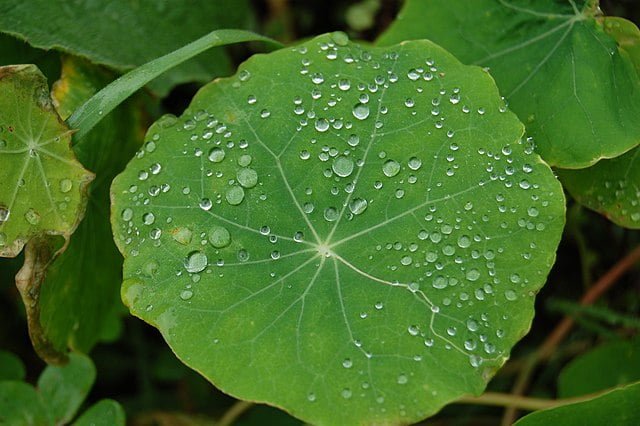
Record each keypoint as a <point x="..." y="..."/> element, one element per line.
<point x="43" y="185"/>
<point x="610" y="187"/>
<point x="565" y="71"/>
<point x="340" y="226"/>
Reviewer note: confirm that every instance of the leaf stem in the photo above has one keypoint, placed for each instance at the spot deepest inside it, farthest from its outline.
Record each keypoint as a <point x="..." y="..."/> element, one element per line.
<point x="564" y="327"/>
<point x="233" y="413"/>
<point x="497" y="399"/>
<point x="107" y="99"/>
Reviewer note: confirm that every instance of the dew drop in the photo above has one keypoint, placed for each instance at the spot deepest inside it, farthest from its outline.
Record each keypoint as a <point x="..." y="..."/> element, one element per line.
<point x="361" y="111"/>
<point x="331" y="214"/>
<point x="342" y="166"/>
<point x="219" y="236"/>
<point x="358" y="205"/>
<point x="216" y="155"/>
<point x="235" y="195"/>
<point x="247" y="177"/>
<point x="65" y="185"/>
<point x="195" y="262"/>
<point x="391" y="168"/>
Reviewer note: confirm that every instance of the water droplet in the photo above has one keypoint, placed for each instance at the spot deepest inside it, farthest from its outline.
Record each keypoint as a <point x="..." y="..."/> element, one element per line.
<point x="361" y="111"/>
<point x="347" y="363"/>
<point x="473" y="274"/>
<point x="32" y="217"/>
<point x="342" y="166"/>
<point x="5" y="213"/>
<point x="206" y="204"/>
<point x="195" y="262"/>
<point x="391" y="168"/>
<point x="402" y="379"/>
<point x="358" y="205"/>
<point x="65" y="185"/>
<point x="186" y="295"/>
<point x="414" y="163"/>
<point x="331" y="214"/>
<point x="322" y="125"/>
<point x="127" y="214"/>
<point x="247" y="177"/>
<point x="216" y="155"/>
<point x="235" y="195"/>
<point x="148" y="218"/>
<point x="219" y="236"/>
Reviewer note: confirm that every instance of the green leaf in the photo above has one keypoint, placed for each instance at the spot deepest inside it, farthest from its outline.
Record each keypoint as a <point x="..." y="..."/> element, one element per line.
<point x="125" y="34"/>
<point x="11" y="367"/>
<point x="575" y="89"/>
<point x="64" y="388"/>
<point x="103" y="413"/>
<point x="343" y="226"/>
<point x="619" y="407"/>
<point x="45" y="186"/>
<point x="21" y="405"/>
<point x="607" y="366"/>
<point x="91" y="305"/>
<point x="611" y="187"/>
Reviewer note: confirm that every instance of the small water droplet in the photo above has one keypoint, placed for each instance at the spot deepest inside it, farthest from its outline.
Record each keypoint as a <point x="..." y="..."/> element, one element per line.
<point x="361" y="111"/>
<point x="219" y="236"/>
<point x="216" y="154"/>
<point x="342" y="166"/>
<point x="235" y="195"/>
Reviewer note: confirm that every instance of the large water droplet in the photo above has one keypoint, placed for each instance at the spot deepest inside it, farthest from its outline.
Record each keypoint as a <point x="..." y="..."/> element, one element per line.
<point x="331" y="214"/>
<point x="216" y="154"/>
<point x="358" y="205"/>
<point x="247" y="177"/>
<point x="219" y="236"/>
<point x="235" y="195"/>
<point x="195" y="262"/>
<point x="361" y="111"/>
<point x="391" y="168"/>
<point x="342" y="166"/>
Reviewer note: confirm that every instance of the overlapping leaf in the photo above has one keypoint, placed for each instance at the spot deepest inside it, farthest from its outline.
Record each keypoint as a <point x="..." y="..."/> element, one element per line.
<point x="123" y="34"/>
<point x="565" y="70"/>
<point x="86" y="277"/>
<point x="618" y="407"/>
<point x="44" y="186"/>
<point x="340" y="226"/>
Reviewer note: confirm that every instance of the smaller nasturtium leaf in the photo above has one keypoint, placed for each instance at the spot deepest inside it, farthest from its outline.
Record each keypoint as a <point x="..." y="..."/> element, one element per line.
<point x="21" y="404"/>
<point x="340" y="226"/>
<point x="64" y="388"/>
<point x="607" y="366"/>
<point x="610" y="187"/>
<point x="103" y="413"/>
<point x="123" y="34"/>
<point x="85" y="279"/>
<point x="619" y="407"/>
<point x="563" y="68"/>
<point x="44" y="187"/>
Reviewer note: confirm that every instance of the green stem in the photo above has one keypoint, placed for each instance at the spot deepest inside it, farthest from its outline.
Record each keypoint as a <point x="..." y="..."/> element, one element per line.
<point x="234" y="412"/>
<point x="107" y="99"/>
<point x="497" y="399"/>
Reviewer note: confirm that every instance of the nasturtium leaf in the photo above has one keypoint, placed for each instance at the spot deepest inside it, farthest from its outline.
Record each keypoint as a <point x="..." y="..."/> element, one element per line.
<point x="103" y="413"/>
<point x="85" y="279"/>
<point x="22" y="405"/>
<point x="611" y="187"/>
<point x="11" y="367"/>
<point x="124" y="34"/>
<point x="573" y="86"/>
<point x="341" y="226"/>
<point x="609" y="365"/>
<point x="64" y="388"/>
<point x="619" y="407"/>
<point x="43" y="187"/>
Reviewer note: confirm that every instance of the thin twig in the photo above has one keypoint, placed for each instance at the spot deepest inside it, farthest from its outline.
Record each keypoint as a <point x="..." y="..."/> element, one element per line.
<point x="498" y="399"/>
<point x="234" y="413"/>
<point x="564" y="327"/>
